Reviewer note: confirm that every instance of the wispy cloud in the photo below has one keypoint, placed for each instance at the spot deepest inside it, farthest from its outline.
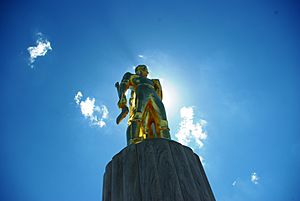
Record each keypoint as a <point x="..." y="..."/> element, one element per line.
<point x="243" y="189"/>
<point x="191" y="131"/>
<point x="141" y="56"/>
<point x="254" y="178"/>
<point x="78" y="97"/>
<point x="95" y="113"/>
<point x="41" y="48"/>
<point x="236" y="182"/>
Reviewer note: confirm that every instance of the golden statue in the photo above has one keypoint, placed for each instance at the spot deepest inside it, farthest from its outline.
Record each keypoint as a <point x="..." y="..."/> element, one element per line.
<point x="147" y="115"/>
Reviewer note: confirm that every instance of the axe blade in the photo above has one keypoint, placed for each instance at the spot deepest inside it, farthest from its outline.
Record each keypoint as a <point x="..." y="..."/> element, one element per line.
<point x="123" y="114"/>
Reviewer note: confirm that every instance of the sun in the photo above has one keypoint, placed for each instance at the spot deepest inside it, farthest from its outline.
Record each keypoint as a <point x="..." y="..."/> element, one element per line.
<point x="171" y="97"/>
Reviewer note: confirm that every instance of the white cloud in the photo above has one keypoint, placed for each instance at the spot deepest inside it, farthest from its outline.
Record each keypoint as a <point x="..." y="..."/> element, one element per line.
<point x="41" y="48"/>
<point x="141" y="56"/>
<point x="96" y="114"/>
<point x="105" y="112"/>
<point x="190" y="131"/>
<point x="101" y="123"/>
<point x="87" y="107"/>
<point x="78" y="97"/>
<point x="254" y="178"/>
<point x="234" y="183"/>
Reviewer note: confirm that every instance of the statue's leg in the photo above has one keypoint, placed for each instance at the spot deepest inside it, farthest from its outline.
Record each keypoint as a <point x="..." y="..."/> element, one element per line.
<point x="134" y="134"/>
<point x="129" y="133"/>
<point x="138" y="129"/>
<point x="147" y="124"/>
<point x="160" y="119"/>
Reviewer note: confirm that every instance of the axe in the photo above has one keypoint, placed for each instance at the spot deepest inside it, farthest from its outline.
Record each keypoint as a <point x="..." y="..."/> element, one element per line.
<point x="125" y="109"/>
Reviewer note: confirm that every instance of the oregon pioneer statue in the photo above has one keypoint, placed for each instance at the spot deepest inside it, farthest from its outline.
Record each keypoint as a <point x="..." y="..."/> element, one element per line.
<point x="152" y="167"/>
<point x="147" y="115"/>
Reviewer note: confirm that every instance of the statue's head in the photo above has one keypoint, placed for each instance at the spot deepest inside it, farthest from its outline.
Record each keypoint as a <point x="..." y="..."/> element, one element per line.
<point x="142" y="70"/>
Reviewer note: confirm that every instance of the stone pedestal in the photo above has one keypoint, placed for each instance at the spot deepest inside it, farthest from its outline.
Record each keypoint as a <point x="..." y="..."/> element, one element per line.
<point x="156" y="170"/>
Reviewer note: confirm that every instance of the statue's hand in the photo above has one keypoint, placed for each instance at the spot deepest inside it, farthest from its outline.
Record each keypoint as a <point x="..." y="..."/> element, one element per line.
<point x="122" y="102"/>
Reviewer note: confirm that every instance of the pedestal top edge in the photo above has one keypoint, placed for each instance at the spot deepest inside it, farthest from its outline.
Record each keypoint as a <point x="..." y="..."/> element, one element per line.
<point x="153" y="140"/>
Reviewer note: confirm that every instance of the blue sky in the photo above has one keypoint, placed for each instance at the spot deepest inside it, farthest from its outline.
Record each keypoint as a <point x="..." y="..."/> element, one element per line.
<point x="229" y="71"/>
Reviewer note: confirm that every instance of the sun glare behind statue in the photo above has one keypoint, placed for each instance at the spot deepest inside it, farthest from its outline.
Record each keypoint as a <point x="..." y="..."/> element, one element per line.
<point x="170" y="97"/>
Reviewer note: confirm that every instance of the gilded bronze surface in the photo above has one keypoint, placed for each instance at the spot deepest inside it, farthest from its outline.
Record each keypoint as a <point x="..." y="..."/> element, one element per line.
<point x="147" y="115"/>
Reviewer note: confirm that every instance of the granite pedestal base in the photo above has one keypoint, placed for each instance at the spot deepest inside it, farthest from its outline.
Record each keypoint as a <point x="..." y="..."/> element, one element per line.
<point x="156" y="170"/>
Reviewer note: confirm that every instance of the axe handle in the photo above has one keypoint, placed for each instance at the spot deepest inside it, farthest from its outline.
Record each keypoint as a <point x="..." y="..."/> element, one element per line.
<point x="125" y="109"/>
<point x="117" y="85"/>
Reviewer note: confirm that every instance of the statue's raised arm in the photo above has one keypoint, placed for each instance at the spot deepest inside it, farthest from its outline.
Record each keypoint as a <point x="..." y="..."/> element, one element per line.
<point x="147" y="117"/>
